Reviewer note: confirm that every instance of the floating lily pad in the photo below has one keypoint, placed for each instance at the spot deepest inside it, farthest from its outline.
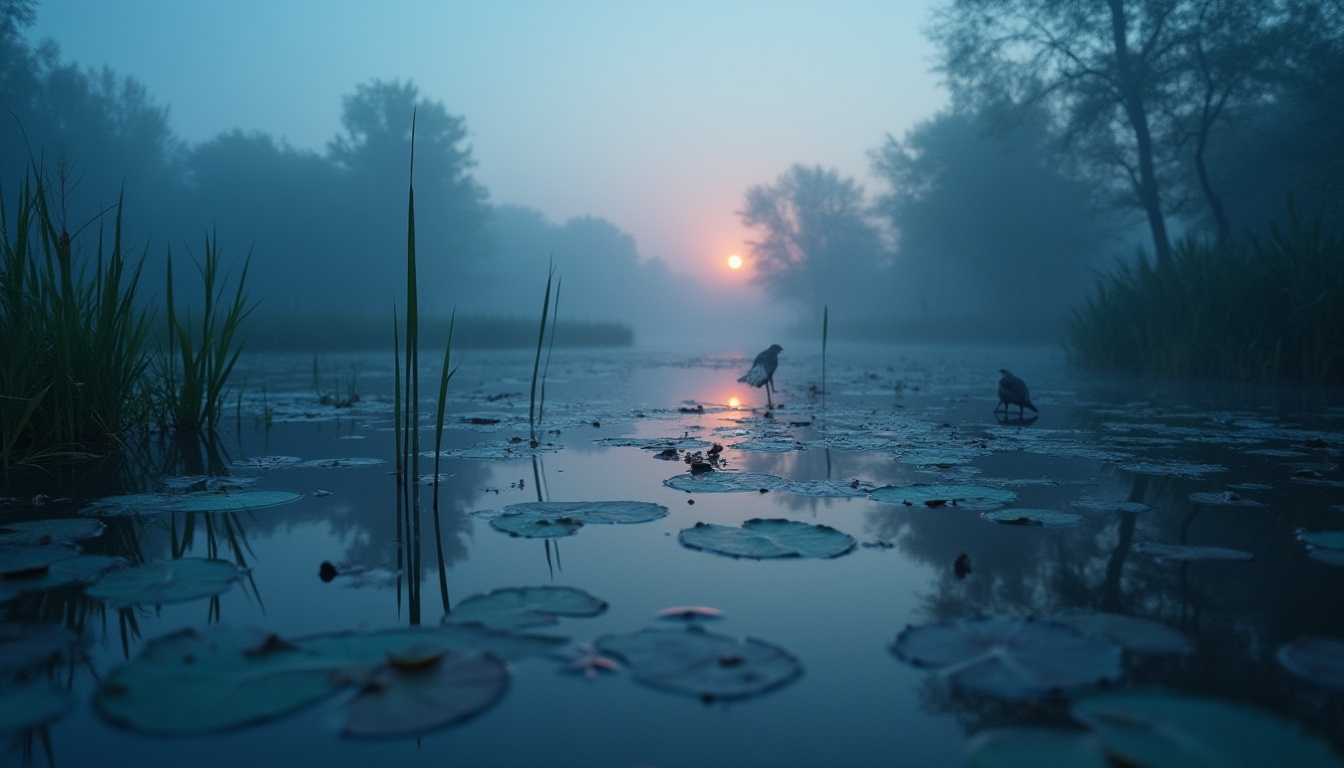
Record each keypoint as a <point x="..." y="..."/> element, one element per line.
<point x="1013" y="658"/>
<point x="1223" y="499"/>
<point x="70" y="570"/>
<point x="170" y="581"/>
<point x="941" y="457"/>
<point x="1130" y="632"/>
<point x="655" y="443"/>
<point x="404" y="700"/>
<point x="207" y="482"/>
<point x="830" y="489"/>
<point x="724" y="482"/>
<point x="339" y="463"/>
<point x="700" y="663"/>
<point x="1318" y="660"/>
<point x="24" y="562"/>
<point x="1045" y="518"/>
<point x="553" y="519"/>
<point x="1034" y="747"/>
<point x="769" y="445"/>
<point x="1322" y="539"/>
<point x="28" y="705"/>
<point x="1187" y="553"/>
<point x="1175" y="468"/>
<point x="267" y="462"/>
<point x="520" y="607"/>
<point x="194" y="682"/>
<point x="201" y="501"/>
<point x="923" y="494"/>
<point x="1161" y="730"/>
<point x="758" y="538"/>
<point x="501" y="450"/>
<point x="1089" y="504"/>
<point x="28" y="533"/>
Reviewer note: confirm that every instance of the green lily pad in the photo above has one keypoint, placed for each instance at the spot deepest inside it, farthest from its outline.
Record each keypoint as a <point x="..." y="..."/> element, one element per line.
<point x="30" y="562"/>
<point x="1130" y="632"/>
<point x="1223" y="499"/>
<point x="700" y="663"/>
<point x="1188" y="553"/>
<point x="1046" y="518"/>
<point x="1035" y="747"/>
<point x="202" y="501"/>
<point x="1322" y="539"/>
<point x="169" y="581"/>
<point x="724" y="482"/>
<point x="1089" y="504"/>
<point x="553" y="519"/>
<point x="1316" y="659"/>
<point x="1160" y="730"/>
<point x="29" y="533"/>
<point x="1014" y="658"/>
<point x="267" y="462"/>
<point x="407" y="700"/>
<point x="829" y="489"/>
<point x="28" y="705"/>
<point x="71" y="570"/>
<point x="758" y="538"/>
<point x="338" y="463"/>
<point x="195" y="682"/>
<point x="520" y="607"/>
<point x="926" y="495"/>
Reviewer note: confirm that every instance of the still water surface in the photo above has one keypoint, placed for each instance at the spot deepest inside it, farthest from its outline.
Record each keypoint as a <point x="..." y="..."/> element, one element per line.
<point x="891" y="416"/>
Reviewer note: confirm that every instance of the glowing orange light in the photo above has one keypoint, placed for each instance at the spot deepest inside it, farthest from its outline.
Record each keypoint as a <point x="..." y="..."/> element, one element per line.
<point x="734" y="402"/>
<point x="734" y="262"/>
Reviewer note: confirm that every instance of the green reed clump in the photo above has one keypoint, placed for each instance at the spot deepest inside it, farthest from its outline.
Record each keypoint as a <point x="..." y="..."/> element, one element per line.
<point x="201" y="349"/>
<point x="72" y="335"/>
<point x="1248" y="309"/>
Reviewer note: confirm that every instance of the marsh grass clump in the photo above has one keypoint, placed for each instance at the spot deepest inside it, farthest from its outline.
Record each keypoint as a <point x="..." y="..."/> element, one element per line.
<point x="1247" y="309"/>
<point x="73" y="336"/>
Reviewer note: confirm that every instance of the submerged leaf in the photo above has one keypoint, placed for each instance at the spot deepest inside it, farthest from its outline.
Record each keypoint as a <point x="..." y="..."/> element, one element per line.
<point x="758" y="538"/>
<point x="1013" y="658"/>
<point x="700" y="663"/>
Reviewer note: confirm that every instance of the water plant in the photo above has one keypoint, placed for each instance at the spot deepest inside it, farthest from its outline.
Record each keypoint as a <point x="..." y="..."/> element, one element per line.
<point x="73" y="334"/>
<point x="534" y="407"/>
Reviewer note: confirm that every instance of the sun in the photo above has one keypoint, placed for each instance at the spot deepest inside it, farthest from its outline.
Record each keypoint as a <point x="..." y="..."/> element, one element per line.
<point x="734" y="262"/>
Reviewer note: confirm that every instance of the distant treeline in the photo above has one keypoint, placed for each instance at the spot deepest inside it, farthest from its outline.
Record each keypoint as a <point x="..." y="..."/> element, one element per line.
<point x="332" y="332"/>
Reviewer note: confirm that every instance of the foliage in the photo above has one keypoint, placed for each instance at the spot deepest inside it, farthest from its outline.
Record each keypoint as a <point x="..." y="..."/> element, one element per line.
<point x="194" y="394"/>
<point x="72" y="333"/>
<point x="1254" y="308"/>
<point x="818" y="243"/>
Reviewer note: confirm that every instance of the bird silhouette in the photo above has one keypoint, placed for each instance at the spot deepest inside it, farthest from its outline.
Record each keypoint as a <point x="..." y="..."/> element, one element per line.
<point x="762" y="373"/>
<point x="1013" y="391"/>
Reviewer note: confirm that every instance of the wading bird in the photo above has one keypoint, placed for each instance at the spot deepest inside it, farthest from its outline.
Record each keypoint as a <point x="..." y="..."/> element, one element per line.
<point x="762" y="373"/>
<point x="1013" y="391"/>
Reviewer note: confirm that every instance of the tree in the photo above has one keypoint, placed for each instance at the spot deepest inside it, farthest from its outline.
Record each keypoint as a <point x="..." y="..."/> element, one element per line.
<point x="1129" y="82"/>
<point x="818" y="240"/>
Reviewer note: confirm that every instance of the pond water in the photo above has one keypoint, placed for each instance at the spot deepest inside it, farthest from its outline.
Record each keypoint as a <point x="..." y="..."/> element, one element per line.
<point x="1252" y="471"/>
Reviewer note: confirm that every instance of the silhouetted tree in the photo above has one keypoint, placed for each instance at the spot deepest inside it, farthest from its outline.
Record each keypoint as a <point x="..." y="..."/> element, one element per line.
<point x="986" y="225"/>
<point x="818" y="242"/>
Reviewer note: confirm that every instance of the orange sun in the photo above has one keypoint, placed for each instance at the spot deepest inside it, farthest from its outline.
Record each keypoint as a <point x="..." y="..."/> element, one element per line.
<point x="734" y="262"/>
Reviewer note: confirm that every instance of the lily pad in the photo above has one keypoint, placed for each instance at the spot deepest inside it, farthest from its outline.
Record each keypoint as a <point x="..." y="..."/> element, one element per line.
<point x="1089" y="504"/>
<point x="553" y="519"/>
<point x="758" y="538"/>
<point x="828" y="489"/>
<point x="1045" y="518"/>
<point x="402" y="700"/>
<point x="1322" y="539"/>
<point x="29" y="533"/>
<point x="1172" y="468"/>
<point x="1158" y="729"/>
<point x="201" y="501"/>
<point x="169" y="581"/>
<point x="25" y="562"/>
<point x="1130" y="632"/>
<point x="70" y="570"/>
<point x="267" y="462"/>
<point x="724" y="482"/>
<point x="1188" y="553"/>
<point x="1316" y="659"/>
<point x="194" y="682"/>
<point x="700" y="663"/>
<point x="1223" y="499"/>
<point x="1013" y="658"/>
<point x="1034" y="747"/>
<point x="28" y="705"/>
<point x="338" y="463"/>
<point x="923" y="494"/>
<point x="520" y="607"/>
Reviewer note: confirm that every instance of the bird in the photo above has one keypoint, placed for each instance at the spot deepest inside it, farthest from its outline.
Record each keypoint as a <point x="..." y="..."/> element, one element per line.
<point x="762" y="373"/>
<point x="1013" y="391"/>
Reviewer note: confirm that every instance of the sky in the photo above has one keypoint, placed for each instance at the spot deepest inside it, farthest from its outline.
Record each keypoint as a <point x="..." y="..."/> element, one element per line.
<point x="657" y="116"/>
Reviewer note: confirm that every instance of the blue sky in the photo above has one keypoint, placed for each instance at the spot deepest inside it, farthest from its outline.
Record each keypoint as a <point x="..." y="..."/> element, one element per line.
<point x="657" y="116"/>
